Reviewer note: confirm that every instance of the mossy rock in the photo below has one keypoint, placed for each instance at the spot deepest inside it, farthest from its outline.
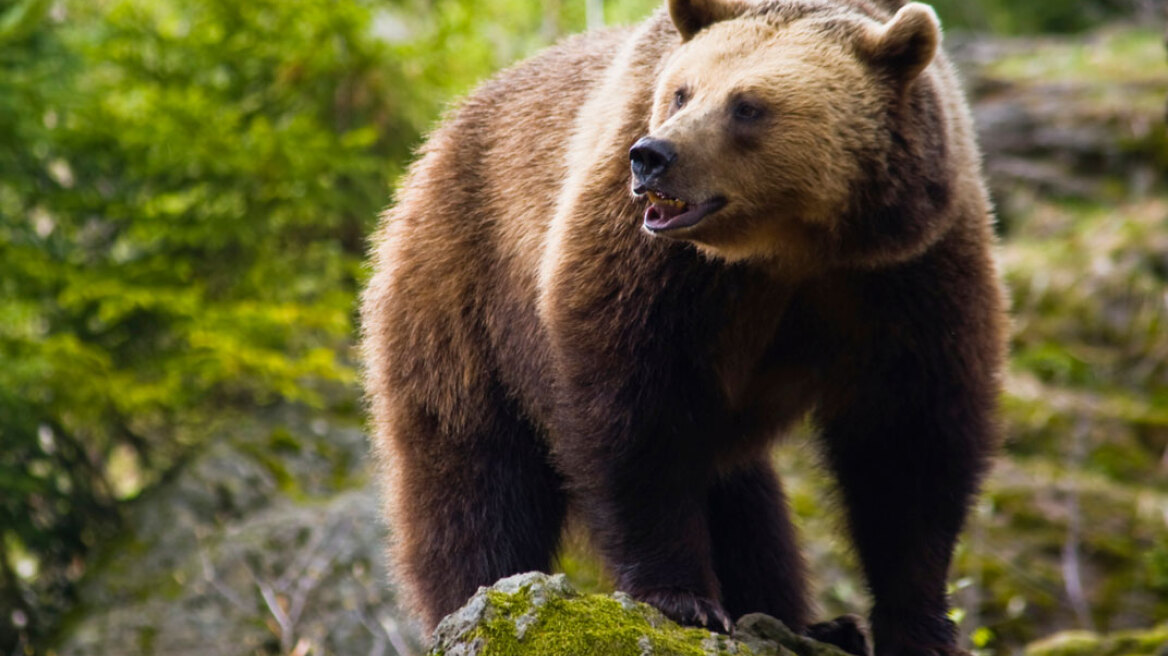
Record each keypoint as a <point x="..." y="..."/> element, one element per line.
<point x="535" y="613"/>
<point x="1152" y="642"/>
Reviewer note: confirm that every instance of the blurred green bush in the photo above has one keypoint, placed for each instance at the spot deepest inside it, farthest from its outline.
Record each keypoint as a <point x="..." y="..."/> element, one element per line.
<point x="1050" y="16"/>
<point x="184" y="191"/>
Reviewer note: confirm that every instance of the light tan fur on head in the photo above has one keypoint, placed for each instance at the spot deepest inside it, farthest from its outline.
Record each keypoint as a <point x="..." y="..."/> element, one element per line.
<point x="822" y="88"/>
<point x="786" y="172"/>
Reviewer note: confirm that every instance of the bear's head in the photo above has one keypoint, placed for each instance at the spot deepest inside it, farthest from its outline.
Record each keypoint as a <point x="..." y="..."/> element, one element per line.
<point x="803" y="131"/>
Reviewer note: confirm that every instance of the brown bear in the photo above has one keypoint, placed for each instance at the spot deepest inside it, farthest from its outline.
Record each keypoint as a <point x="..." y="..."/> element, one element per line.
<point x="621" y="269"/>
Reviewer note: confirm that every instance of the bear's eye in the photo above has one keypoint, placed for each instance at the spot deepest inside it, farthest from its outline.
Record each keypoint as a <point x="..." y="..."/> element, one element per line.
<point x="679" y="98"/>
<point x="747" y="111"/>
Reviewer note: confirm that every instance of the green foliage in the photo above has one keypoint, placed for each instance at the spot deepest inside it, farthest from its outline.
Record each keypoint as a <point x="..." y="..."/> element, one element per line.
<point x="184" y="192"/>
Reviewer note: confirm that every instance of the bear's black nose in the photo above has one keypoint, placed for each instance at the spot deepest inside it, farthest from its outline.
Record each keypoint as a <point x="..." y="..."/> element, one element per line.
<point x="650" y="158"/>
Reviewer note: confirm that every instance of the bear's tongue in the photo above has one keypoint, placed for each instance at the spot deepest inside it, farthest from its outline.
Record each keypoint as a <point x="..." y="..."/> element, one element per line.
<point x="663" y="210"/>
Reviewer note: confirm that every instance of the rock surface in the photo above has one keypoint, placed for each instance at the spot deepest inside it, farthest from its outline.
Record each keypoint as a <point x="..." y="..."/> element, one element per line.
<point x="537" y="614"/>
<point x="270" y="542"/>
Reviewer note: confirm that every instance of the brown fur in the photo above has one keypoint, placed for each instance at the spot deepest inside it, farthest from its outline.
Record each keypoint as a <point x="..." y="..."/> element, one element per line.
<point x="530" y="347"/>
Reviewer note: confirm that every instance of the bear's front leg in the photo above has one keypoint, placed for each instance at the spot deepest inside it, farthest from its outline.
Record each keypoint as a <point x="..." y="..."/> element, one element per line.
<point x="633" y="433"/>
<point x="908" y="436"/>
<point x="642" y="488"/>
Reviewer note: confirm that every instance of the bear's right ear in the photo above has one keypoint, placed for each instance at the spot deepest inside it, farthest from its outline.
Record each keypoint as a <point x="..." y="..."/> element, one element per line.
<point x="692" y="16"/>
<point x="907" y="43"/>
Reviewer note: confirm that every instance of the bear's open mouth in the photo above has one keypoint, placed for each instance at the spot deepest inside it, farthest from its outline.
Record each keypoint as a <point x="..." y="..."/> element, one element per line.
<point x="668" y="213"/>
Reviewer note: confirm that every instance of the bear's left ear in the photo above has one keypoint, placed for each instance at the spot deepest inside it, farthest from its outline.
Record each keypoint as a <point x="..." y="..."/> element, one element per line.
<point x="905" y="45"/>
<point x="692" y="16"/>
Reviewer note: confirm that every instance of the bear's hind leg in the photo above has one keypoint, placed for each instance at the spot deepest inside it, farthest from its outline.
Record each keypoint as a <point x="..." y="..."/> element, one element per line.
<point x="469" y="507"/>
<point x="754" y="548"/>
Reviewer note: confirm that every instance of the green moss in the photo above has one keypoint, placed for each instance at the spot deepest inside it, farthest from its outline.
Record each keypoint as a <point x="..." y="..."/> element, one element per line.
<point x="587" y="624"/>
<point x="281" y="440"/>
<point x="537" y="614"/>
<point x="1153" y="642"/>
<point x="1085" y="643"/>
<point x="510" y="605"/>
<point x="1069" y="643"/>
<point x="146" y="638"/>
<point x="584" y="570"/>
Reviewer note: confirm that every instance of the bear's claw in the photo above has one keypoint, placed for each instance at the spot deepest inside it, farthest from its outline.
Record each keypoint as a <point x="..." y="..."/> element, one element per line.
<point x="690" y="609"/>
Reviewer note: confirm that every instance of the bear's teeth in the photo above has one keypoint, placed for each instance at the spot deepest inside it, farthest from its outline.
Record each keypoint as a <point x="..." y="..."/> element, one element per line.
<point x="658" y="199"/>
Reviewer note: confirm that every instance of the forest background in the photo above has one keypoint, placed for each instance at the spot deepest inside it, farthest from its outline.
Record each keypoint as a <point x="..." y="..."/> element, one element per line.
<point x="186" y="192"/>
